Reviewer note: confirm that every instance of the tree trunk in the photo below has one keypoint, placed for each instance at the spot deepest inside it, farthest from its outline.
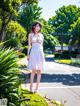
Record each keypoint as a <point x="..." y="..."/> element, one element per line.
<point x="62" y="47"/>
<point x="2" y="31"/>
<point x="62" y="40"/>
<point x="3" y="26"/>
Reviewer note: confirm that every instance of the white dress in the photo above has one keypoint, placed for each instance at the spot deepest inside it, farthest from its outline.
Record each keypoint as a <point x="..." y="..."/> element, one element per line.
<point x="36" y="58"/>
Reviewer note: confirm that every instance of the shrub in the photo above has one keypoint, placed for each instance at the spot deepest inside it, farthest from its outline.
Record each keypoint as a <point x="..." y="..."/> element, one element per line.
<point x="13" y="42"/>
<point x="66" y="54"/>
<point x="9" y="76"/>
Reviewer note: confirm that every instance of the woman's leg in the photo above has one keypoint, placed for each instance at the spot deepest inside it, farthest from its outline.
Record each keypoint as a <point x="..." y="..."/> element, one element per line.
<point x="32" y="79"/>
<point x="38" y="79"/>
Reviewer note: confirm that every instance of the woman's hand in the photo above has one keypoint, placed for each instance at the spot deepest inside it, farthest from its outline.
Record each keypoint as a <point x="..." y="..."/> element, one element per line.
<point x="28" y="57"/>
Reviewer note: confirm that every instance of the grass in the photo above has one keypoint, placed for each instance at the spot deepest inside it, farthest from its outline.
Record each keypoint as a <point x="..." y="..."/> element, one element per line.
<point x="29" y="99"/>
<point x="72" y="61"/>
<point x="65" y="61"/>
<point x="34" y="99"/>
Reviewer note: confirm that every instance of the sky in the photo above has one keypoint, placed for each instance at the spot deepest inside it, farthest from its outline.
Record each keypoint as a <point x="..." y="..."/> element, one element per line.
<point x="50" y="6"/>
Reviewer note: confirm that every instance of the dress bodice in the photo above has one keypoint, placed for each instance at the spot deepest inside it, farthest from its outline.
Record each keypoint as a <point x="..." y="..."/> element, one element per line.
<point x="37" y="39"/>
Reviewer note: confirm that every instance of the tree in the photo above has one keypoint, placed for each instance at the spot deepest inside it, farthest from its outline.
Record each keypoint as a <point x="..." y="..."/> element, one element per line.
<point x="75" y="32"/>
<point x="15" y="30"/>
<point x="65" y="16"/>
<point x="15" y="34"/>
<point x="8" y="10"/>
<point x="50" y="41"/>
<point x="28" y="15"/>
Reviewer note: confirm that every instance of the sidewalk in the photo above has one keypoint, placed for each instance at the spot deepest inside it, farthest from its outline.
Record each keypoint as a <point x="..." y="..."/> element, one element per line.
<point x="59" y="82"/>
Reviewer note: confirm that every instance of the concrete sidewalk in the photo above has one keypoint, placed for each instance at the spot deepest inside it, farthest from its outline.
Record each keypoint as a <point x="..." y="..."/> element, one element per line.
<point x="70" y="96"/>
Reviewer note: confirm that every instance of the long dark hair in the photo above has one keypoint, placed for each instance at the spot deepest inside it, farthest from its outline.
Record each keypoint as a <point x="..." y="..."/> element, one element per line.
<point x="34" y="24"/>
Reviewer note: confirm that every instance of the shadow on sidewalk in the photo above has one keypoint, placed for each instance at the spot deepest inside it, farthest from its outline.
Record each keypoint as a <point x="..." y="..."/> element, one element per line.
<point x="71" y="80"/>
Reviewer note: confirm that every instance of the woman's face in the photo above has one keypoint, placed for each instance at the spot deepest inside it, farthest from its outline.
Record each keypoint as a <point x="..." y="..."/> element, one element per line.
<point x="37" y="28"/>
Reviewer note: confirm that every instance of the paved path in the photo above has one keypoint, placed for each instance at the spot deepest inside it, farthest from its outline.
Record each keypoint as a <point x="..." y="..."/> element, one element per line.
<point x="60" y="82"/>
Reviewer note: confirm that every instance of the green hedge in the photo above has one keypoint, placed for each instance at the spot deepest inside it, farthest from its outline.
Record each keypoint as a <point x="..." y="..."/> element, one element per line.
<point x="66" y="54"/>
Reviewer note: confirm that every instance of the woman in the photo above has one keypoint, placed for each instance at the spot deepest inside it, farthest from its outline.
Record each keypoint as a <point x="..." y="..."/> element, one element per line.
<point x="35" y="55"/>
